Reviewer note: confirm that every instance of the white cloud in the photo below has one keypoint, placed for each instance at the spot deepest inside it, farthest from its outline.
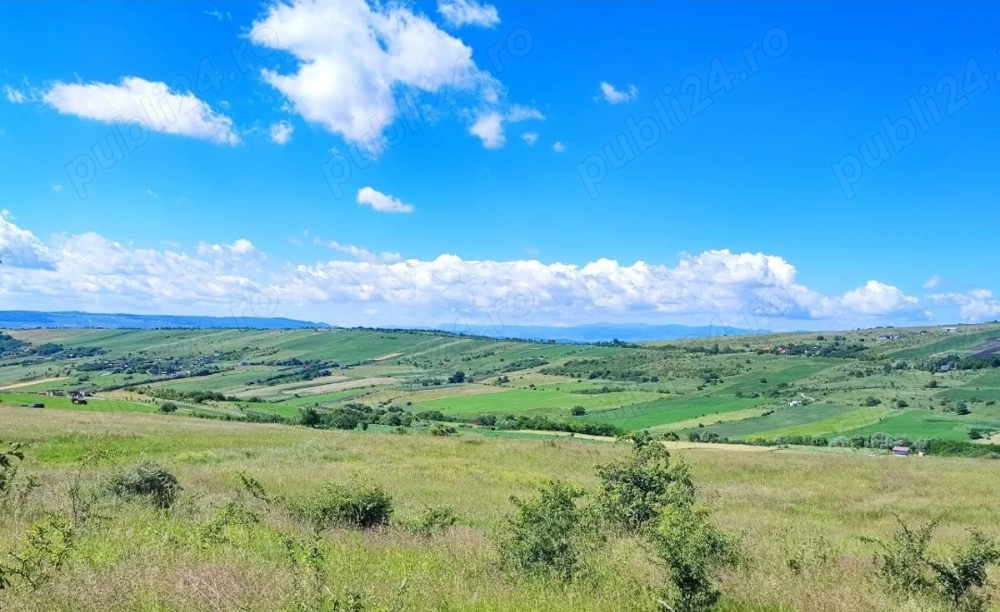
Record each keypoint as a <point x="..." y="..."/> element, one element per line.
<point x="355" y="58"/>
<point x="149" y="102"/>
<point x="932" y="282"/>
<point x="558" y="147"/>
<point x="281" y="132"/>
<point x="750" y="290"/>
<point x="14" y="96"/>
<point x="878" y="299"/>
<point x="239" y="248"/>
<point x="975" y="306"/>
<point x="220" y="15"/>
<point x="489" y="125"/>
<point x="468" y="12"/>
<point x="362" y="254"/>
<point x="530" y="138"/>
<point x="614" y="96"/>
<point x="20" y="248"/>
<point x="382" y="202"/>
<point x="57" y="187"/>
<point x="152" y="194"/>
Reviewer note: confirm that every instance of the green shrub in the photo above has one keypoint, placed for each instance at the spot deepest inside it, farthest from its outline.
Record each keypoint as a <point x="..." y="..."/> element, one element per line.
<point x="433" y="520"/>
<point x="391" y="419"/>
<point x="635" y="489"/>
<point x="310" y="417"/>
<point x="168" y="407"/>
<point x="578" y="411"/>
<point x="694" y="552"/>
<point x="44" y="551"/>
<point x="148" y="480"/>
<point x="957" y="579"/>
<point x="359" y="505"/>
<point x="234" y="514"/>
<point x="343" y="418"/>
<point x="547" y="533"/>
<point x="487" y="420"/>
<point x="443" y="430"/>
<point x="10" y="460"/>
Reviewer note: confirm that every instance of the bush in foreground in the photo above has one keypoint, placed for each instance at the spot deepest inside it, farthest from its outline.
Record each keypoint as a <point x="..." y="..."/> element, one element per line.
<point x="433" y="520"/>
<point x="145" y="480"/>
<point x="359" y="505"/>
<point x="546" y="533"/>
<point x="634" y="490"/>
<point x="905" y="567"/>
<point x="694" y="552"/>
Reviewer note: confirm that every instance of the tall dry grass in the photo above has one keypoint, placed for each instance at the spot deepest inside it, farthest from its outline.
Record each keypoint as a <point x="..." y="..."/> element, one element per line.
<point x="801" y="516"/>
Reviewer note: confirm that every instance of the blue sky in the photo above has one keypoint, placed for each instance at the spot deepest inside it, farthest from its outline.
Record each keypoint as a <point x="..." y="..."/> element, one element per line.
<point x="504" y="164"/>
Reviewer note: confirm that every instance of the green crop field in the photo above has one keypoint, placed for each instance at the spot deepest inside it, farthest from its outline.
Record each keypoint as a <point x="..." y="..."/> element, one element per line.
<point x="845" y="419"/>
<point x="757" y="387"/>
<point x="926" y="424"/>
<point x="672" y="411"/>
<point x="540" y="400"/>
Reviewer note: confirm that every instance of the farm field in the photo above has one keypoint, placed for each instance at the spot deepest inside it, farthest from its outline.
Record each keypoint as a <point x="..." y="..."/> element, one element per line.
<point x="731" y="388"/>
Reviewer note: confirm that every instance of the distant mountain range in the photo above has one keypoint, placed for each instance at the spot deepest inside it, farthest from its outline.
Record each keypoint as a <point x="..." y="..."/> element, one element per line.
<point x="598" y="332"/>
<point x="25" y="319"/>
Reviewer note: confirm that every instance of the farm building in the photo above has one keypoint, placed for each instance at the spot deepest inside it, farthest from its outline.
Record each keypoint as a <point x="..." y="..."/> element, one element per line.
<point x="949" y="330"/>
<point x="901" y="451"/>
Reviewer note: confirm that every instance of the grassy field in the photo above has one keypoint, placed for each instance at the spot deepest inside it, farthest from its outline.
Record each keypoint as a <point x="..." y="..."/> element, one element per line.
<point x="65" y="403"/>
<point x="925" y="424"/>
<point x="667" y="412"/>
<point x="540" y="400"/>
<point x="808" y="507"/>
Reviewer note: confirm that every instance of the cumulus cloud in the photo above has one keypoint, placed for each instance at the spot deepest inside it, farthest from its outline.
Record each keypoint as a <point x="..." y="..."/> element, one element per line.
<point x="489" y="125"/>
<point x="932" y="282"/>
<point x="14" y="96"/>
<point x="20" y="248"/>
<point x="878" y="299"/>
<point x="469" y="12"/>
<point x="530" y="138"/>
<point x="57" y="187"/>
<point x="752" y="290"/>
<point x="382" y="202"/>
<point x="354" y="58"/>
<point x="152" y="103"/>
<point x="615" y="96"/>
<point x="975" y="306"/>
<point x="281" y="132"/>
<point x="558" y="147"/>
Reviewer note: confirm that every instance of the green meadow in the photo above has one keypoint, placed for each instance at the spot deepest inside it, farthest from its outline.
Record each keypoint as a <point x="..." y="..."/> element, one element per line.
<point x="799" y="516"/>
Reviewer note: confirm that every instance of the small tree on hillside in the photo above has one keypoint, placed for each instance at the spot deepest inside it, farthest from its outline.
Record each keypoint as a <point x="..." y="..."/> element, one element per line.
<point x="634" y="490"/>
<point x="694" y="552"/>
